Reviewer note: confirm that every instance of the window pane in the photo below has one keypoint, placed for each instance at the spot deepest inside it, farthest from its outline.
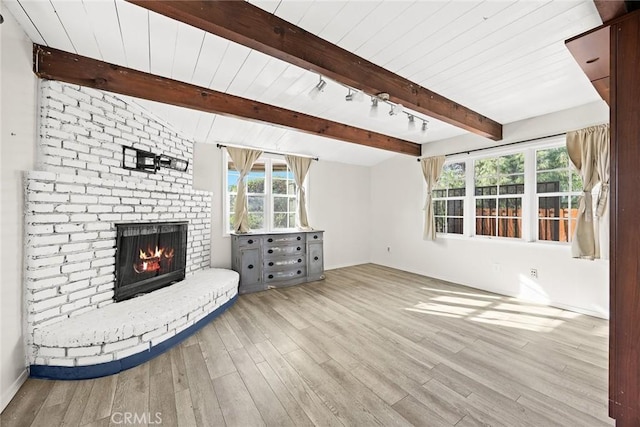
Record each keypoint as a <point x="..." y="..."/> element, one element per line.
<point x="486" y="207"/>
<point x="552" y="158"/>
<point x="511" y="206"/>
<point x="255" y="184"/>
<point x="439" y="193"/>
<point x="452" y="177"/>
<point x="439" y="207"/>
<point x="255" y="203"/>
<point x="575" y="204"/>
<point x="511" y="164"/>
<point x="280" y="204"/>
<point x="440" y="221"/>
<point x="556" y="181"/>
<point x="279" y="186"/>
<point x="291" y="188"/>
<point x="232" y="202"/>
<point x="554" y="230"/>
<point x="509" y="227"/>
<point x="485" y="168"/>
<point x="292" y="220"/>
<point x="293" y="204"/>
<point x="232" y="181"/>
<point x="457" y="192"/>
<point x="455" y="225"/>
<point x="256" y="221"/>
<point x="455" y="207"/>
<point x="486" y="226"/>
<point x="576" y="181"/>
<point x="280" y="220"/>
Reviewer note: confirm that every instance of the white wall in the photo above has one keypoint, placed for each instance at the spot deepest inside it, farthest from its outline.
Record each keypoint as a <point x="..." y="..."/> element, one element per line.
<point x="497" y="266"/>
<point x="339" y="203"/>
<point x="18" y="130"/>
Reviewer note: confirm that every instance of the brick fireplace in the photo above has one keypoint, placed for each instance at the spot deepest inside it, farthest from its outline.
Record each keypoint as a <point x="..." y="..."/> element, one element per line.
<point x="80" y="193"/>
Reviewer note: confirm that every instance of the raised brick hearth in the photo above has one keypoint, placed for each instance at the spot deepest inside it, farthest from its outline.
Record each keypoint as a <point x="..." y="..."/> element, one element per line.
<point x="80" y="191"/>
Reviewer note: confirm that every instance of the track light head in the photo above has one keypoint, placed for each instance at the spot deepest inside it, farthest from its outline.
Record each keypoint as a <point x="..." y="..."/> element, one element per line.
<point x="373" y="111"/>
<point x="349" y="96"/>
<point x="317" y="89"/>
<point x="424" y="125"/>
<point x="396" y="109"/>
<point x="412" y="122"/>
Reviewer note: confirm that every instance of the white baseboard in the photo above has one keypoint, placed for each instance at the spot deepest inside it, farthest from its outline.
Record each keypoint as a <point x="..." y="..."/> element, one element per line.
<point x="8" y="394"/>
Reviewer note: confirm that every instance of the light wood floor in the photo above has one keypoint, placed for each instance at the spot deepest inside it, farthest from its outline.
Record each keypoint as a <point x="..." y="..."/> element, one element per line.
<point x="367" y="346"/>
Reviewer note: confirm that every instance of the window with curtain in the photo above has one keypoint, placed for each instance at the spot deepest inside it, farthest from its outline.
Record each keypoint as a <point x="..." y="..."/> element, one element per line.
<point x="271" y="195"/>
<point x="448" y="199"/>
<point x="558" y="189"/>
<point x="499" y="190"/>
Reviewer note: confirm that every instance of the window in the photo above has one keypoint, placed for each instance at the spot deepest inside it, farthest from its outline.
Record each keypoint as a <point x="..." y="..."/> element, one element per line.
<point x="271" y="195"/>
<point x="448" y="199"/>
<point x="499" y="190"/>
<point x="558" y="189"/>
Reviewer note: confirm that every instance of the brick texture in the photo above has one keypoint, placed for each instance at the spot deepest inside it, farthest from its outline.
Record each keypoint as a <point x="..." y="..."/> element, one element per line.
<point x="80" y="191"/>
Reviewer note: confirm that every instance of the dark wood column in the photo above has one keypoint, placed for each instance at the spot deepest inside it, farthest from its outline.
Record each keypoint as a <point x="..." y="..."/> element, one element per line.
<point x="624" y="356"/>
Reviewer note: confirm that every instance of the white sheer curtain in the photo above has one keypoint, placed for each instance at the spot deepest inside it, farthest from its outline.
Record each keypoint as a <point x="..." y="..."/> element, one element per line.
<point x="300" y="167"/>
<point x="431" y="169"/>
<point x="243" y="159"/>
<point x="589" y="152"/>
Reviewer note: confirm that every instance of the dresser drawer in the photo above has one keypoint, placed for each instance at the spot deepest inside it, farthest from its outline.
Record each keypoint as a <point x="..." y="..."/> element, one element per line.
<point x="276" y="276"/>
<point x="248" y="241"/>
<point x="284" y="239"/>
<point x="285" y="263"/>
<point x="277" y="251"/>
<point x="315" y="236"/>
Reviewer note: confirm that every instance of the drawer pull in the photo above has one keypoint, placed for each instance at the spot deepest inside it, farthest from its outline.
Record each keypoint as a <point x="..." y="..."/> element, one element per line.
<point x="269" y="240"/>
<point x="315" y="236"/>
<point x="299" y="238"/>
<point x="270" y="251"/>
<point x="250" y="241"/>
<point x="299" y="271"/>
<point x="271" y="264"/>
<point x="315" y="258"/>
<point x="250" y="266"/>
<point x="299" y="259"/>
<point x="298" y="248"/>
<point x="271" y="276"/>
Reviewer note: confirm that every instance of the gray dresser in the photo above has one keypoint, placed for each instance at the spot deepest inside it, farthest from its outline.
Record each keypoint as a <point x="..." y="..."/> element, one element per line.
<point x="272" y="260"/>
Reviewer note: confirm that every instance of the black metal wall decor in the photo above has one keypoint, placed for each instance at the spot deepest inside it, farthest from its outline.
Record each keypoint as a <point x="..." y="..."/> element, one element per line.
<point x="146" y="161"/>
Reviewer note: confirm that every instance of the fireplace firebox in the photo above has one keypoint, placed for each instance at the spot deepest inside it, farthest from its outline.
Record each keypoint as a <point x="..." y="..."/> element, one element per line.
<point x="149" y="256"/>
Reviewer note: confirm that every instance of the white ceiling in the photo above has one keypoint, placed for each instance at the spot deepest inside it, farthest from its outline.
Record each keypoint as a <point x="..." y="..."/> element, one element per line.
<point x="503" y="59"/>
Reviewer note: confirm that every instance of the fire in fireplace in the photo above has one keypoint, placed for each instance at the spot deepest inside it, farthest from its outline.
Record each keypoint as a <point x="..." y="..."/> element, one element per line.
<point x="148" y="257"/>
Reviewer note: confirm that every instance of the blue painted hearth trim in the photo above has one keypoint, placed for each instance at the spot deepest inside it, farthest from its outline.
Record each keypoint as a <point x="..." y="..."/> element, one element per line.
<point x="110" y="368"/>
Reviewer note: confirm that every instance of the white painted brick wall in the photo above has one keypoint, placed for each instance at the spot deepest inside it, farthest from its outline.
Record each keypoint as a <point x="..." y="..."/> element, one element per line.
<point x="81" y="190"/>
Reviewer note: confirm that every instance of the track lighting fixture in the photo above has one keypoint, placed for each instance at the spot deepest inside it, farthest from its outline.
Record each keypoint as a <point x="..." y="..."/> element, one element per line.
<point x="412" y="122"/>
<point x="424" y="125"/>
<point x="354" y="95"/>
<point x="373" y="111"/>
<point x="317" y="89"/>
<point x="349" y="96"/>
<point x="396" y="109"/>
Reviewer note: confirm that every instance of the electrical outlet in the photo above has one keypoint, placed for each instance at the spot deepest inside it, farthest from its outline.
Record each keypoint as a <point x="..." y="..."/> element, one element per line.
<point x="533" y="272"/>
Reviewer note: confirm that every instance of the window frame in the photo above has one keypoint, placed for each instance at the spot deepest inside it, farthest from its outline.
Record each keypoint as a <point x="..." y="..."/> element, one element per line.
<point x="448" y="198"/>
<point x="529" y="197"/>
<point x="269" y="160"/>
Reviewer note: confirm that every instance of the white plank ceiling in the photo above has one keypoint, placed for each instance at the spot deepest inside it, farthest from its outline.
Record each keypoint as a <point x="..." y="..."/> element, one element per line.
<point x="503" y="59"/>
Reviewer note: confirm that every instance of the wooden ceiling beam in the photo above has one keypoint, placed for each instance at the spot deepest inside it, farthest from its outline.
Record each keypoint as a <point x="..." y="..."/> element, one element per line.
<point x="243" y="23"/>
<point x="610" y="9"/>
<point x="55" y="64"/>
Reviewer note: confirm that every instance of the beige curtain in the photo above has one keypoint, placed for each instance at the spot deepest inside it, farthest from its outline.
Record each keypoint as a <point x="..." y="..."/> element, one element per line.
<point x="431" y="169"/>
<point x="243" y="159"/>
<point x="585" y="147"/>
<point x="601" y="229"/>
<point x="300" y="167"/>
